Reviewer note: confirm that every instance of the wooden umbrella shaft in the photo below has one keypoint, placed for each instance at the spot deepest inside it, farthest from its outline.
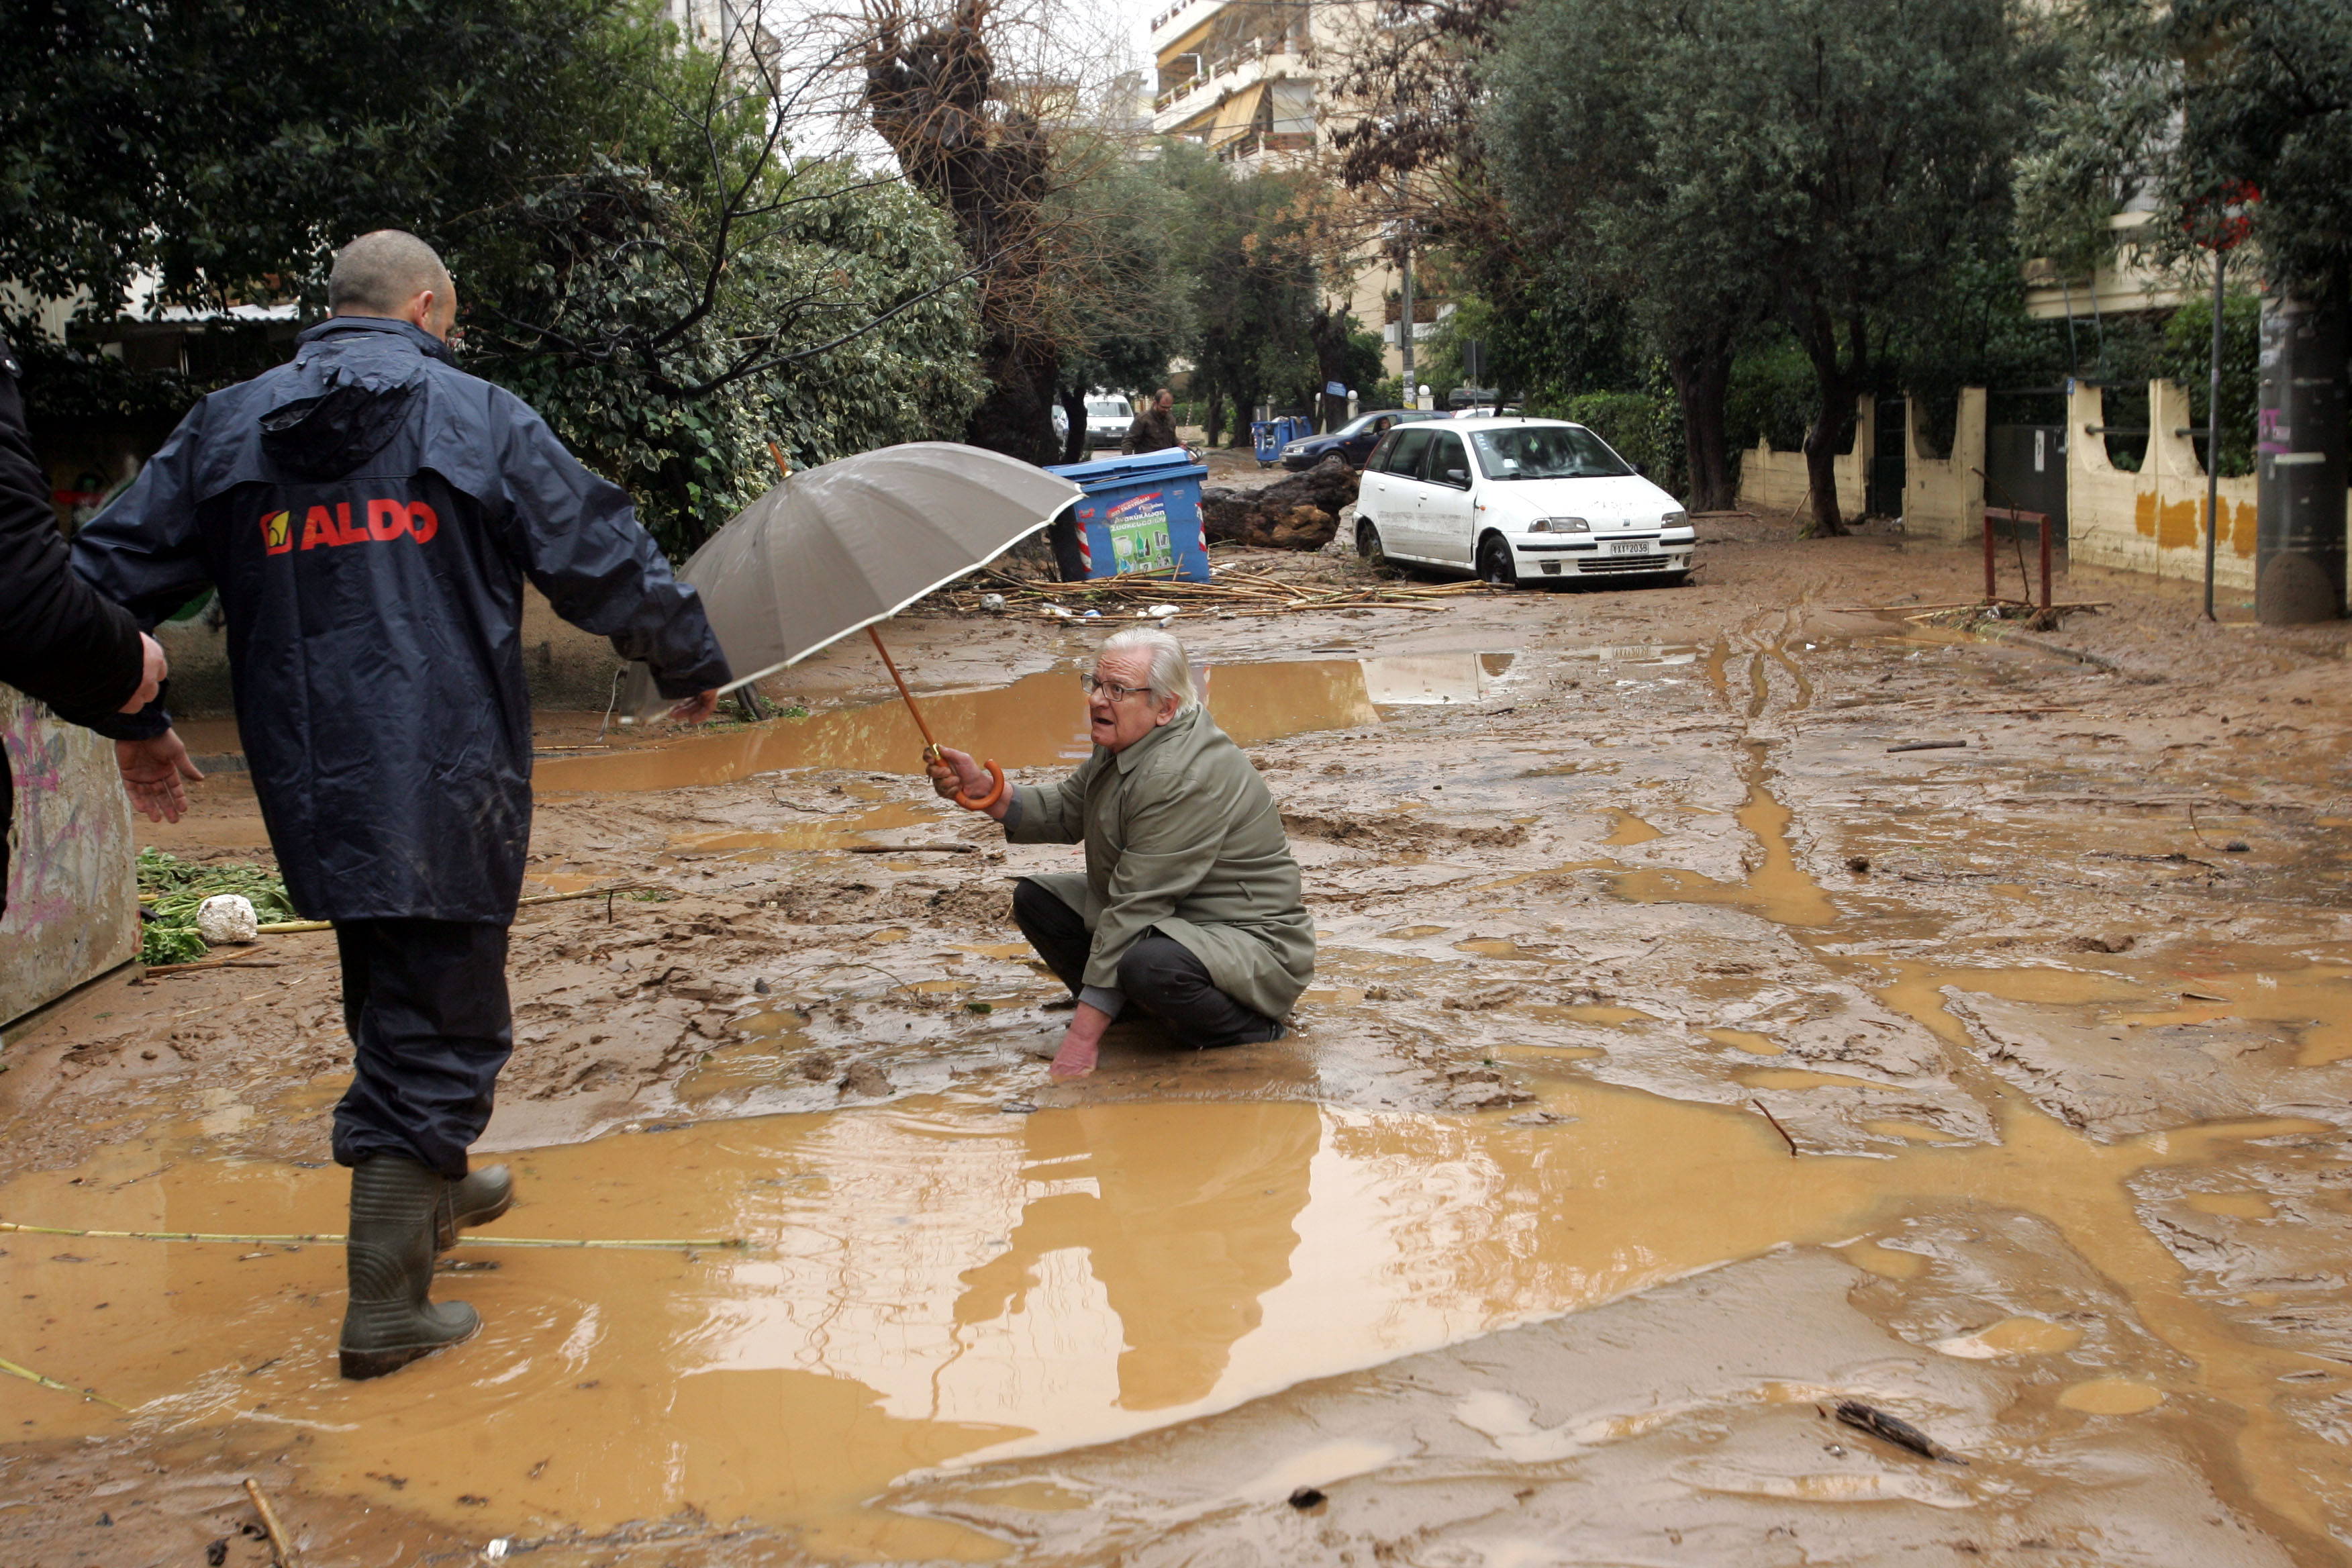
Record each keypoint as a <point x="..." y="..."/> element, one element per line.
<point x="930" y="747"/>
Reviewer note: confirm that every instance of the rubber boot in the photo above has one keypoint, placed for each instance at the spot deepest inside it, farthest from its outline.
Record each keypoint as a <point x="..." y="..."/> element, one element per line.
<point x="390" y="1322"/>
<point x="481" y="1198"/>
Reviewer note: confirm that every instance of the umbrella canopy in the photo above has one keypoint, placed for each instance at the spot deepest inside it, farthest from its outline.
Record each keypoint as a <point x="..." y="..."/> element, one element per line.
<point x="833" y="549"/>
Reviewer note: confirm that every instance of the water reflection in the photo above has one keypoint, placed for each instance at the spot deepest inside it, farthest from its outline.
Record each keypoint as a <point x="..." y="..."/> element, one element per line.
<point x="1184" y="1236"/>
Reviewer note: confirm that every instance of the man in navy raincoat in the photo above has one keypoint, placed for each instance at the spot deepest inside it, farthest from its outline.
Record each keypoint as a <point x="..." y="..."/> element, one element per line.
<point x="370" y="514"/>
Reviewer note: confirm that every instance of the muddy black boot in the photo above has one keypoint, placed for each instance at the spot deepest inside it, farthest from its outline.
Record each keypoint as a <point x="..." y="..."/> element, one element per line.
<point x="389" y="1322"/>
<point x="481" y="1198"/>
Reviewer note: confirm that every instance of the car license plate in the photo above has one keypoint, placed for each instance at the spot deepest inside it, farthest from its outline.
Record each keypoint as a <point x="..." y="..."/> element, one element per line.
<point x="1629" y="547"/>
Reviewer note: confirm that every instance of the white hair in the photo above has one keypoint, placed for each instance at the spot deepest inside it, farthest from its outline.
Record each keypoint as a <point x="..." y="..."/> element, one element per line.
<point x="1172" y="672"/>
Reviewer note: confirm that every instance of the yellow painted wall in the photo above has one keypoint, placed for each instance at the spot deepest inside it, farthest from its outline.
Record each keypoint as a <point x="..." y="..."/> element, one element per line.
<point x="1943" y="498"/>
<point x="1774" y="483"/>
<point x="2153" y="520"/>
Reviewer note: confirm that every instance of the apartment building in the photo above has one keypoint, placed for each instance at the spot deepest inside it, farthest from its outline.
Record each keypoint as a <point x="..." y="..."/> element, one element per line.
<point x="1251" y="81"/>
<point x="1239" y="77"/>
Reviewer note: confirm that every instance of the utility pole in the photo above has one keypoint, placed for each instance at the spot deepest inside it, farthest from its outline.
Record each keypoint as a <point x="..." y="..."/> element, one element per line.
<point x="2213" y="434"/>
<point x="2301" y="460"/>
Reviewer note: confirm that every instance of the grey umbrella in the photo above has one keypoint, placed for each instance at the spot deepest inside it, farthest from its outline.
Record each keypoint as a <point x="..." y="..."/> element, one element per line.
<point x="831" y="551"/>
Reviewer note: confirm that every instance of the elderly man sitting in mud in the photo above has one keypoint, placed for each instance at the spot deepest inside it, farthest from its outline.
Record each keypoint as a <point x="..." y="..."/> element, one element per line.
<point x="1189" y="908"/>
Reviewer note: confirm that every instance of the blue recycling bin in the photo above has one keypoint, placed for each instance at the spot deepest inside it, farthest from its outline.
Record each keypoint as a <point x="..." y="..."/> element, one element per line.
<point x="1266" y="436"/>
<point x="1140" y="515"/>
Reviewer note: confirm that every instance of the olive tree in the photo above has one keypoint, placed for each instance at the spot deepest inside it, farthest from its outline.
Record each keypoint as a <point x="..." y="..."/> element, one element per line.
<point x="1825" y="159"/>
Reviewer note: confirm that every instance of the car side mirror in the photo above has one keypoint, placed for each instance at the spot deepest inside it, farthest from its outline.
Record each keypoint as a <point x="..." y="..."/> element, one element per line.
<point x="1458" y="477"/>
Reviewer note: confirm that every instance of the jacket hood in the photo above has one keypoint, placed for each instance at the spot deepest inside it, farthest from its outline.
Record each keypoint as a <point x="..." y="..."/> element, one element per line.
<point x="355" y="378"/>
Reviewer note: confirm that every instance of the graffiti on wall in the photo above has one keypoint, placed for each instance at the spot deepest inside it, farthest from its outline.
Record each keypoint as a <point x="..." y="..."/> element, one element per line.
<point x="73" y="895"/>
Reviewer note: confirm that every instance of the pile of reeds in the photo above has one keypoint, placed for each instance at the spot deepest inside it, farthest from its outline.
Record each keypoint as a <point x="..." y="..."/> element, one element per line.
<point x="1234" y="591"/>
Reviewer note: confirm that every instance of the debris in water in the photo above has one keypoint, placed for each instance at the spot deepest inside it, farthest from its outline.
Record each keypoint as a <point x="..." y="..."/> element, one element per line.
<point x="866" y="1080"/>
<point x="1017" y="1107"/>
<point x="1928" y="746"/>
<point x="1858" y="864"/>
<point x="1867" y="1418"/>
<point x="279" y="1545"/>
<point x="1537" y="1118"/>
<point x="2236" y="846"/>
<point x="1307" y="1497"/>
<point x="1775" y="1126"/>
<point x="761" y="987"/>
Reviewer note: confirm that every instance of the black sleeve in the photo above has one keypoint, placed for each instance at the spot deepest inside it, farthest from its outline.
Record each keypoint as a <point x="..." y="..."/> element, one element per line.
<point x="60" y="640"/>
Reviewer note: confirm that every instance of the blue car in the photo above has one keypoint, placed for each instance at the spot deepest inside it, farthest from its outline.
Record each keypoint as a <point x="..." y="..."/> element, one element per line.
<point x="1354" y="440"/>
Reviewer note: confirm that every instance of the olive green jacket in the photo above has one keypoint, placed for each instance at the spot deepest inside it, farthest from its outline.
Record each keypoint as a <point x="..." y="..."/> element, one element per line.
<point x="1181" y="835"/>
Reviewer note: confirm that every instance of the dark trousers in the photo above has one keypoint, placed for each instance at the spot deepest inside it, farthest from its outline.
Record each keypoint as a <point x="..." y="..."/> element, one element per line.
<point x="425" y="1005"/>
<point x="1159" y="974"/>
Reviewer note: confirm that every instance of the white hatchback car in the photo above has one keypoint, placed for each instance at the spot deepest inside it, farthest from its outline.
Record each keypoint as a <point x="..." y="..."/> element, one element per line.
<point x="1517" y="500"/>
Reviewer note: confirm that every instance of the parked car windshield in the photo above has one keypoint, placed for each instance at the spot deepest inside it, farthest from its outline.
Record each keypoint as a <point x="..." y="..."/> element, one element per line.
<point x="1547" y="452"/>
<point x="1363" y="422"/>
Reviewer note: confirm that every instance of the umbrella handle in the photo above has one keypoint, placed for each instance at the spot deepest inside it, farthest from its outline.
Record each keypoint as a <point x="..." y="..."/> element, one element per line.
<point x="995" y="792"/>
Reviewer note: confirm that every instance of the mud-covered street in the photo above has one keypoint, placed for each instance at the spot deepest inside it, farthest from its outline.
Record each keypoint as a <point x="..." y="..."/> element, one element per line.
<point x="1684" y="1057"/>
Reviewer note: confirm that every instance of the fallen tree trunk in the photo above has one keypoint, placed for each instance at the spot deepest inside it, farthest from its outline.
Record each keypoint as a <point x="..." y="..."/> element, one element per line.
<point x="1301" y="512"/>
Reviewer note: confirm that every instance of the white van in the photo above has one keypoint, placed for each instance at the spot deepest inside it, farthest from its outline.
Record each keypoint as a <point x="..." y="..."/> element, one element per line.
<point x="1517" y="500"/>
<point x="1108" y="413"/>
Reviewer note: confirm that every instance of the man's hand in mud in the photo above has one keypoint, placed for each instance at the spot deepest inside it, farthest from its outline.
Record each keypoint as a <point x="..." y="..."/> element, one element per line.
<point x="1081" y="1044"/>
<point x="153" y="771"/>
<point x="155" y="670"/>
<point x="697" y="709"/>
<point x="952" y="770"/>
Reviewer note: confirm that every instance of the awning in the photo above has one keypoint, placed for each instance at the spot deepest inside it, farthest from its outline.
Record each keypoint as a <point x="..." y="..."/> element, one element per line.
<point x="1236" y="115"/>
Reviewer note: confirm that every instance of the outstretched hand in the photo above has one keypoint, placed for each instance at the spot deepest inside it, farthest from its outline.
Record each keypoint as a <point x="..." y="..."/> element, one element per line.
<point x="153" y="772"/>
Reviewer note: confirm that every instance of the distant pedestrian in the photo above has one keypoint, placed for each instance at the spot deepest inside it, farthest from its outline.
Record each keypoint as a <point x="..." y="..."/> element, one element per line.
<point x="61" y="642"/>
<point x="1154" y="429"/>
<point x="370" y="514"/>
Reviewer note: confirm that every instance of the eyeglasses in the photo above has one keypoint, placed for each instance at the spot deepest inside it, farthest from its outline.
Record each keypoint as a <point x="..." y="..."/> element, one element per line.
<point x="1111" y="688"/>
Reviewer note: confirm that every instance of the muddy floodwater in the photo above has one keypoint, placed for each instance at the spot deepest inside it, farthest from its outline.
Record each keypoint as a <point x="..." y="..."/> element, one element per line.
<point x="1681" y="1062"/>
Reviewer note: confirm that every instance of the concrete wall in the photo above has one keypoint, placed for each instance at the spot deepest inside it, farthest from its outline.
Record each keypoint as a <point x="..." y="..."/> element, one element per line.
<point x="2153" y="520"/>
<point x="73" y="892"/>
<point x="1943" y="498"/>
<point x="1774" y="483"/>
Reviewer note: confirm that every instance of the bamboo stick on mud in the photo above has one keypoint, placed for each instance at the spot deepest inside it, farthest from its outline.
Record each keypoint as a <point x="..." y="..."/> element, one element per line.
<point x="330" y="1238"/>
<point x="280" y="1546"/>
<point x="288" y="928"/>
<point x="29" y="1376"/>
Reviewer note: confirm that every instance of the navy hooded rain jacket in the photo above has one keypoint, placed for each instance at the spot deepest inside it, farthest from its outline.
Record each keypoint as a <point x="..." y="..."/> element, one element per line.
<point x="368" y="513"/>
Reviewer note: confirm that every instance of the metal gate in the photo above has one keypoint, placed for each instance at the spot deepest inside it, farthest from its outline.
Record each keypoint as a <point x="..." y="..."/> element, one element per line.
<point x="2025" y="468"/>
<point x="1887" y="444"/>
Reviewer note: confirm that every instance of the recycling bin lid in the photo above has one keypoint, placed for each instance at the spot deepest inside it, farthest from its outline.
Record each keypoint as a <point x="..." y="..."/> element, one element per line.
<point x="1143" y="468"/>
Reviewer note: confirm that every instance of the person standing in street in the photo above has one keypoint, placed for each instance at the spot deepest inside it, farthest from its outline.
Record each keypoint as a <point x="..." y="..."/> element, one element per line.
<point x="370" y="514"/>
<point x="1154" y="428"/>
<point x="60" y="641"/>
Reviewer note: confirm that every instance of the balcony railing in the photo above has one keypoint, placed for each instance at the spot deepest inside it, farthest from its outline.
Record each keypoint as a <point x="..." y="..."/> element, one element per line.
<point x="1293" y="53"/>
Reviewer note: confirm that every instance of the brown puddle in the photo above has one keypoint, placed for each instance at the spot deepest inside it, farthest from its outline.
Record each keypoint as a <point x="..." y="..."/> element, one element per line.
<point x="1038" y="720"/>
<point x="933" y="1283"/>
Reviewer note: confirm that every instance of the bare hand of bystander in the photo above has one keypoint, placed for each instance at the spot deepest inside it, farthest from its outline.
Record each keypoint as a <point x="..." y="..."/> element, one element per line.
<point x="153" y="771"/>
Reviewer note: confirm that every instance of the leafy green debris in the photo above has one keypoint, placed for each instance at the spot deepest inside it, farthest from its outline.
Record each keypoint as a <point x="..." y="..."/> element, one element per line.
<point x="171" y="890"/>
